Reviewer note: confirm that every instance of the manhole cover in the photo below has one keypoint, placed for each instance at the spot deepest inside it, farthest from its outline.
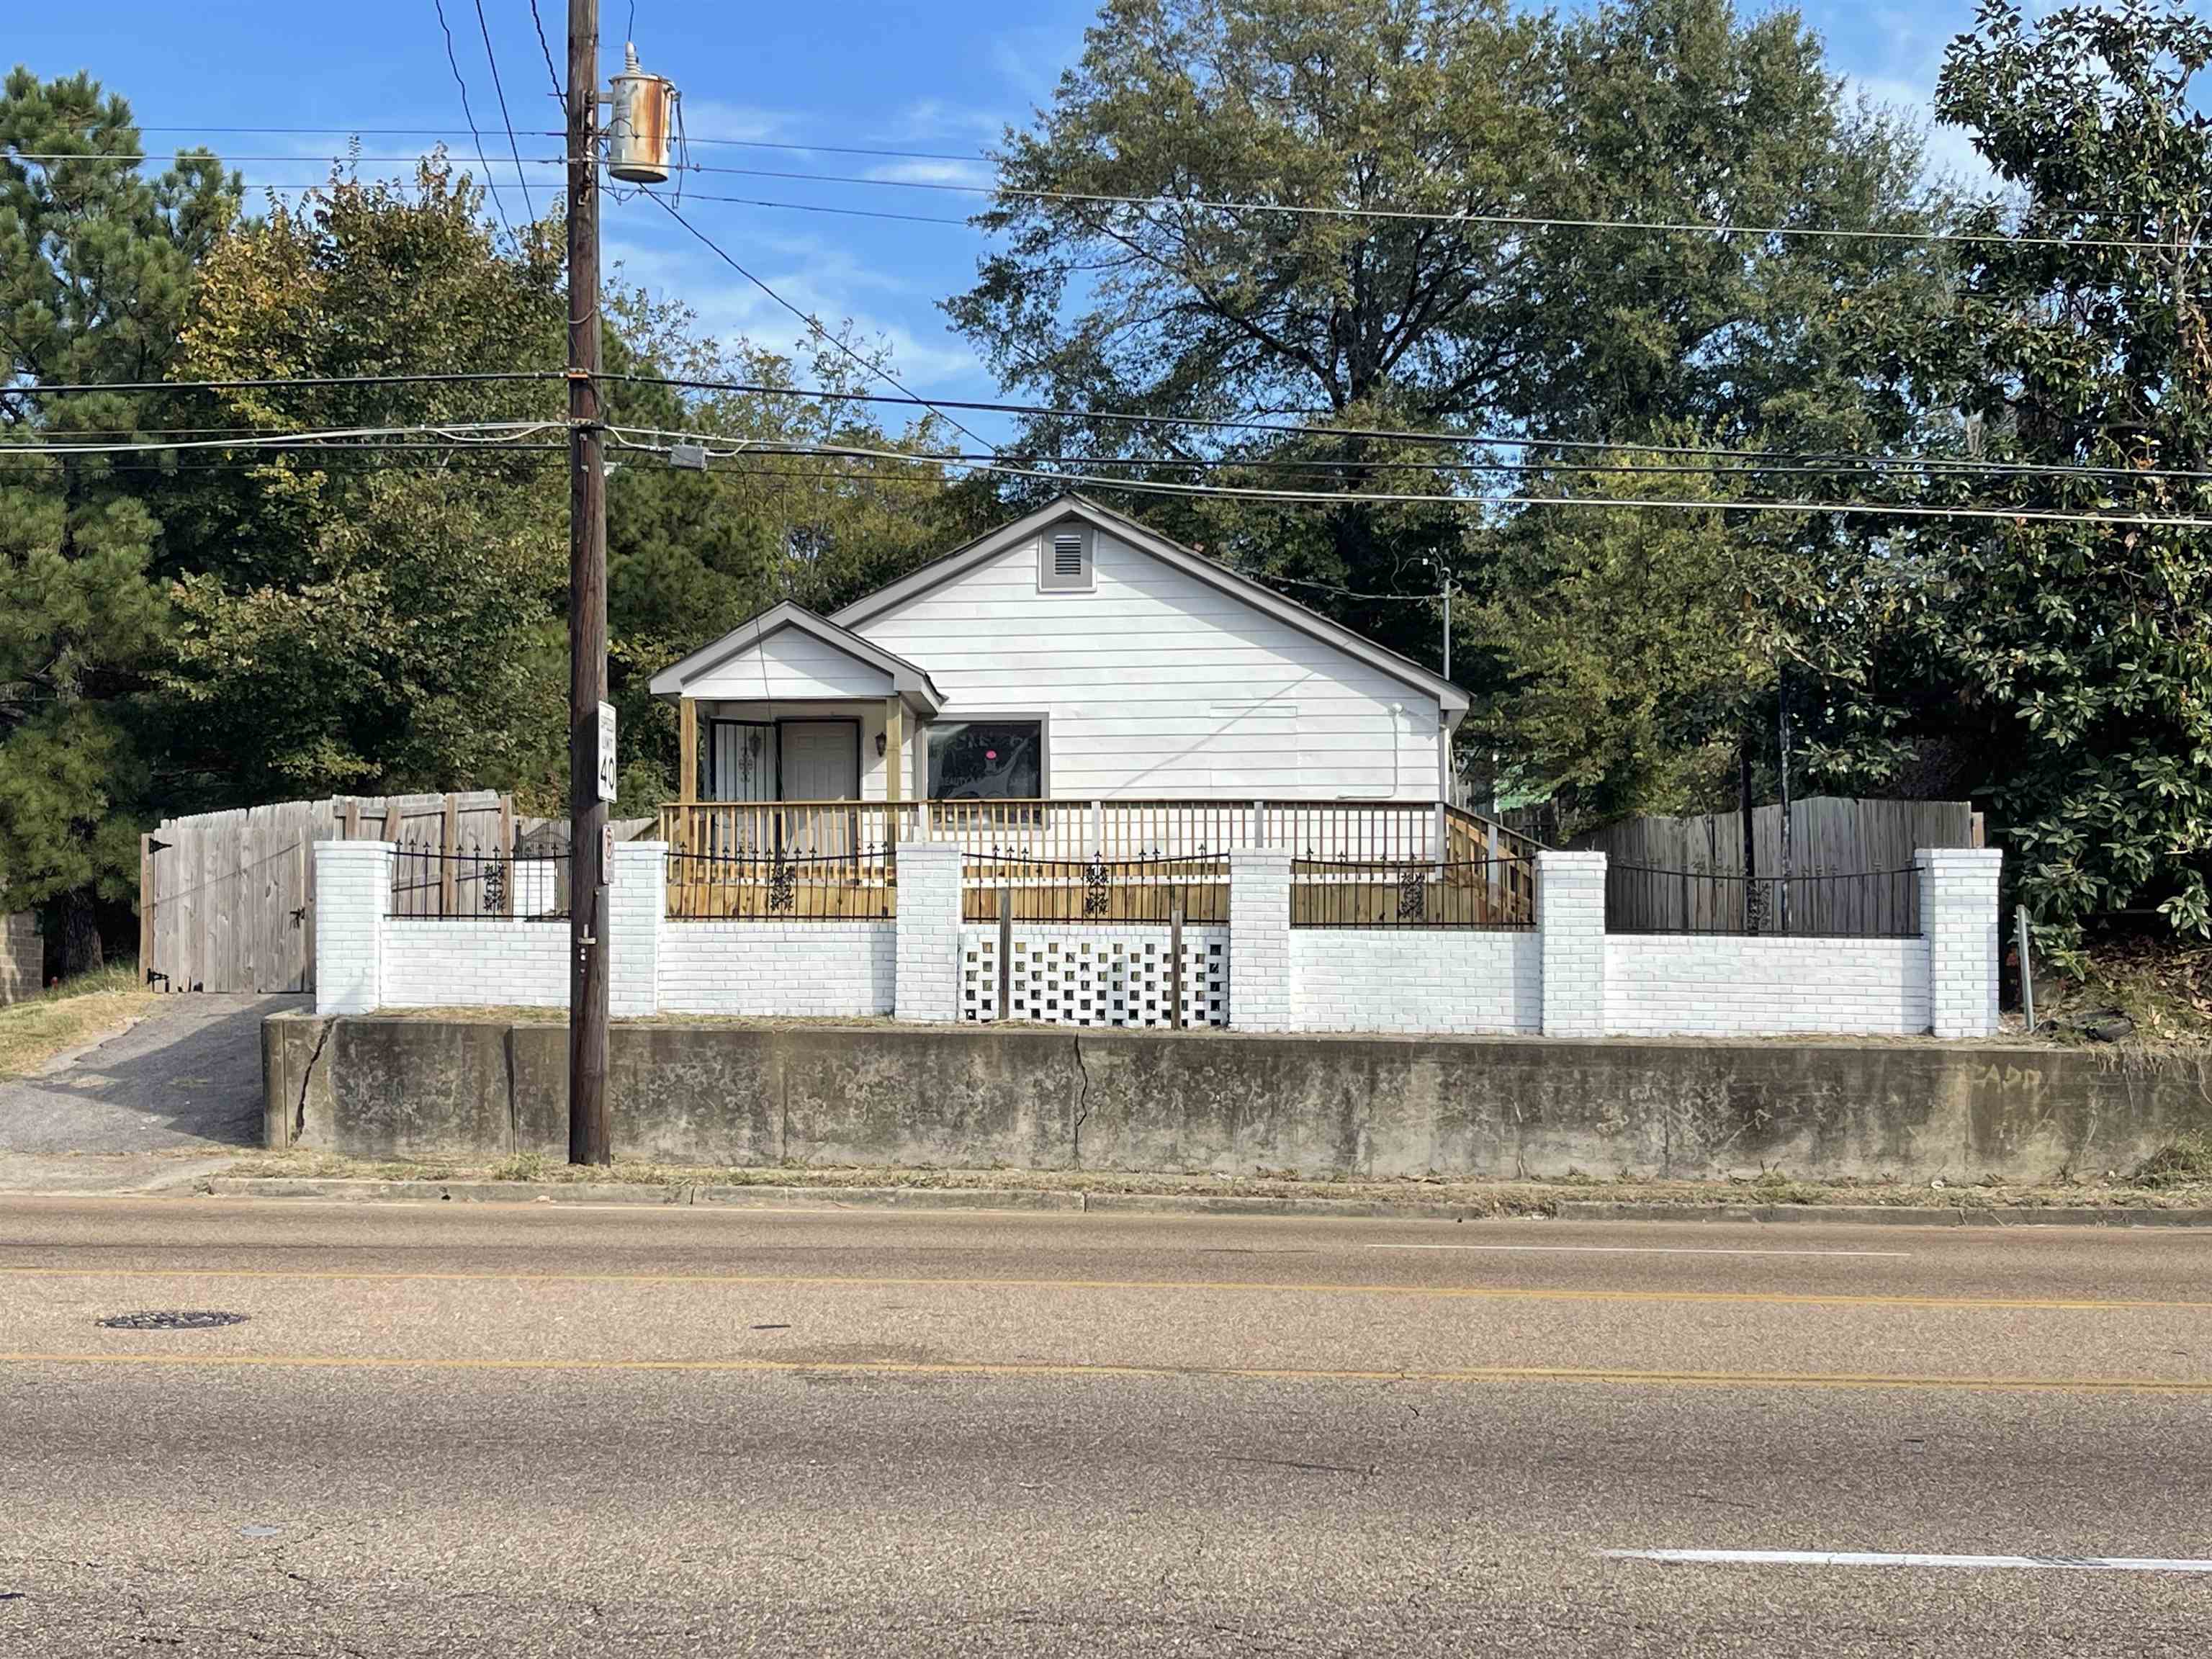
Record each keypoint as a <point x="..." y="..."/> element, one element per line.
<point x="173" y="1319"/>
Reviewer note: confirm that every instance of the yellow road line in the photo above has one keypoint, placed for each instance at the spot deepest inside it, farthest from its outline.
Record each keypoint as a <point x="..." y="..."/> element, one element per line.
<point x="1225" y="1373"/>
<point x="1464" y="1292"/>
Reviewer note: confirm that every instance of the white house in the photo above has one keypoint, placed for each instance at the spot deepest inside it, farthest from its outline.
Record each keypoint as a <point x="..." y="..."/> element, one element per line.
<point x="1072" y="654"/>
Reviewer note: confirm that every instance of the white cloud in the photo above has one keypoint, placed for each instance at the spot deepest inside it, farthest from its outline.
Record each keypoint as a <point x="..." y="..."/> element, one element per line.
<point x="931" y="118"/>
<point x="712" y="117"/>
<point x="817" y="279"/>
<point x="932" y="173"/>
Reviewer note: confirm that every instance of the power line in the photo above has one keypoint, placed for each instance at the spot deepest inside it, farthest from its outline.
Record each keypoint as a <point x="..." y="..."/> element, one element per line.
<point x="560" y="92"/>
<point x="1380" y="498"/>
<point x="1812" y="461"/>
<point x="876" y="370"/>
<point x="1514" y="222"/>
<point x="500" y="92"/>
<point x="463" y="433"/>
<point x="455" y="63"/>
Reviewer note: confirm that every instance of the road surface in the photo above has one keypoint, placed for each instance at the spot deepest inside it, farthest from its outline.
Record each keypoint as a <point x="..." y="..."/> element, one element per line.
<point x="443" y="1430"/>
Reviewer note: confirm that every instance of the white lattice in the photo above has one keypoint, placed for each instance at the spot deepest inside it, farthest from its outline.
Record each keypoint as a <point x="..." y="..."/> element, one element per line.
<point x="1079" y="975"/>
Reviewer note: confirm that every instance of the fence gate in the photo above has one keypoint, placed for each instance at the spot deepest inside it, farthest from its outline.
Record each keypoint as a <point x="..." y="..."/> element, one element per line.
<point x="227" y="900"/>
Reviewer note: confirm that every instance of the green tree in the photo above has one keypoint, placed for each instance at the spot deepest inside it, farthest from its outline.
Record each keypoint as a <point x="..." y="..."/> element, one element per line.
<point x="1630" y="649"/>
<point x="1643" y="110"/>
<point x="96" y="262"/>
<point x="2080" y="340"/>
<point x="370" y="617"/>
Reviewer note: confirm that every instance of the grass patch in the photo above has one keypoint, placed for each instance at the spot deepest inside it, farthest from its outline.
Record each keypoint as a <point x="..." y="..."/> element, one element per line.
<point x="2183" y="1163"/>
<point x="75" y="1012"/>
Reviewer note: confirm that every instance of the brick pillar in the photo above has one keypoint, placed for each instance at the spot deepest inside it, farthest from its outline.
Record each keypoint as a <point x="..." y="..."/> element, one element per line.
<point x="927" y="986"/>
<point x="1570" y="921"/>
<point x="353" y="889"/>
<point x="1262" y="997"/>
<point x="639" y="903"/>
<point x="1959" y="919"/>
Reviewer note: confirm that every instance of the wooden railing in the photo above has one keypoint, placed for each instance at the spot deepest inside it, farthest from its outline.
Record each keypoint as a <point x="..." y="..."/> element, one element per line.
<point x="1003" y="838"/>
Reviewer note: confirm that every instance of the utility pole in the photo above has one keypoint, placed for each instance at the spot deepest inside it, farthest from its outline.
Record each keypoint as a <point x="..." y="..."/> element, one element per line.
<point x="591" y="1132"/>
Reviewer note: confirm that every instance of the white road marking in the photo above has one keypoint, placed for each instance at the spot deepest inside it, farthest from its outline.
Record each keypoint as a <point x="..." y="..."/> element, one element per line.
<point x="1877" y="1558"/>
<point x="1629" y="1249"/>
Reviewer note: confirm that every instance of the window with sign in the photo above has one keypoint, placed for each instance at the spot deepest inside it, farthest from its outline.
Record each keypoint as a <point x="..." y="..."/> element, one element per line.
<point x="987" y="760"/>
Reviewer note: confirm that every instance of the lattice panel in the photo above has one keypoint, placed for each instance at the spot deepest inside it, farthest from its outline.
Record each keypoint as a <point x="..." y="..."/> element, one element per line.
<point x="1096" y="976"/>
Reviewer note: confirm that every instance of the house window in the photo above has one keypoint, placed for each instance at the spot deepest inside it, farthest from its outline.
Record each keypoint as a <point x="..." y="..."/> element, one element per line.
<point x="1064" y="559"/>
<point x="987" y="760"/>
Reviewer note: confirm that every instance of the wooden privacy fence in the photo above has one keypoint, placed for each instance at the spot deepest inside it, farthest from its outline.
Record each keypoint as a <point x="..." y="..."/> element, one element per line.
<point x="227" y="900"/>
<point x="1686" y="875"/>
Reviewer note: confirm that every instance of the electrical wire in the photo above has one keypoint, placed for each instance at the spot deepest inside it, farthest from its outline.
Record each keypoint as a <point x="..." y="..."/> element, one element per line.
<point x="1208" y="423"/>
<point x="455" y="63"/>
<point x="1396" y="498"/>
<point x="1514" y="222"/>
<point x="514" y="147"/>
<point x="560" y="92"/>
<point x="465" y="432"/>
<point x="874" y="370"/>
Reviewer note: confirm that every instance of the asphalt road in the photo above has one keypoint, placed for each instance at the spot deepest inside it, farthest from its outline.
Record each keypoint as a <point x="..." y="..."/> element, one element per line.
<point x="550" y="1431"/>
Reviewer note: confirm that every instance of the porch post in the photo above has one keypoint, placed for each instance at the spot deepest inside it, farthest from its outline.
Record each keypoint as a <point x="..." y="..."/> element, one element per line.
<point x="894" y="748"/>
<point x="687" y="749"/>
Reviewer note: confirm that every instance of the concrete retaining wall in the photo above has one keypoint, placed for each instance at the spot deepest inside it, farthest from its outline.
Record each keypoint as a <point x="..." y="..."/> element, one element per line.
<point x="719" y="1093"/>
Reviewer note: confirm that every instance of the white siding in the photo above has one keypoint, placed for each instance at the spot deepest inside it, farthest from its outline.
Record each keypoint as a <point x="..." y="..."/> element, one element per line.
<point x="1159" y="684"/>
<point x="791" y="662"/>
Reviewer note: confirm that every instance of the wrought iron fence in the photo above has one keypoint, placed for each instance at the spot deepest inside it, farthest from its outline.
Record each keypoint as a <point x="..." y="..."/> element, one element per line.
<point x="1488" y="893"/>
<point x="999" y="882"/>
<point x="1818" y="904"/>
<point x="428" y="884"/>
<point x="859" y="885"/>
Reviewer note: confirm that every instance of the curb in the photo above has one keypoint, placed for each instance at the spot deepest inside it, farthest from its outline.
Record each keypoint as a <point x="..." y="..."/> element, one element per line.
<point x="1037" y="1199"/>
<point x="1889" y="1215"/>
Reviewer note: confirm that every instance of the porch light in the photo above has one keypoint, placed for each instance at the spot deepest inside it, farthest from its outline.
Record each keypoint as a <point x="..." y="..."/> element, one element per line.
<point x="880" y="745"/>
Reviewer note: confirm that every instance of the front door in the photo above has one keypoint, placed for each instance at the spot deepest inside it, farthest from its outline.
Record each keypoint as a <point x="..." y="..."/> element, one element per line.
<point x="821" y="762"/>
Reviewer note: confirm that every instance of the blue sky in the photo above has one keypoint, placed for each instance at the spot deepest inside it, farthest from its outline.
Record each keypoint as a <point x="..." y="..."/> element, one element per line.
<point x="944" y="76"/>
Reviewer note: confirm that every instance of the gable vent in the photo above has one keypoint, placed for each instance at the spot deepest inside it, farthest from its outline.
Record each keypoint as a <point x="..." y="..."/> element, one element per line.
<point x="1064" y="559"/>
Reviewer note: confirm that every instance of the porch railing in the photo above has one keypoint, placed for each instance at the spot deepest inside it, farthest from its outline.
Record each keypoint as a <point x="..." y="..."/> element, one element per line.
<point x="1020" y="831"/>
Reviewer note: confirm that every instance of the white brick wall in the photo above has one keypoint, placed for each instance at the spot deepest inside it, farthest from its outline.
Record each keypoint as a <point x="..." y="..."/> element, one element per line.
<point x="638" y="908"/>
<point x="1702" y="985"/>
<point x="1567" y="978"/>
<point x="1959" y="914"/>
<point x="1262" y="981"/>
<point x="928" y="931"/>
<point x="353" y="887"/>
<point x="1415" y="979"/>
<point x="473" y="964"/>
<point x="1571" y="922"/>
<point x="780" y="968"/>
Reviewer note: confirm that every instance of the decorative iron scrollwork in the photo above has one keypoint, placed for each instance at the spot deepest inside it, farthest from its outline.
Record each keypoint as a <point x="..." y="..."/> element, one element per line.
<point x="1095" y="900"/>
<point x="782" y="891"/>
<point x="1412" y="893"/>
<point x="495" y="887"/>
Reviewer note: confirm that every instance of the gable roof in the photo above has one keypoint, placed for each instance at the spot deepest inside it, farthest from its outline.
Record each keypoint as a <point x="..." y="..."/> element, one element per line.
<point x="907" y="679"/>
<point x="1188" y="560"/>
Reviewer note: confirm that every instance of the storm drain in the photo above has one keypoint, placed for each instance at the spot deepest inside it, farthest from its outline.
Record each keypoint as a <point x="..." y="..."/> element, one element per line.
<point x="172" y="1319"/>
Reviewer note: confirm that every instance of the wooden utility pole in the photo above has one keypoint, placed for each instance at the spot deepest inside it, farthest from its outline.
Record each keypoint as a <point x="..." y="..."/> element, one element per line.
<point x="591" y="1130"/>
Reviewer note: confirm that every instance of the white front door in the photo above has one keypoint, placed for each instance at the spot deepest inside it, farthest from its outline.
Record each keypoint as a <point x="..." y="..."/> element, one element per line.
<point x="821" y="760"/>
